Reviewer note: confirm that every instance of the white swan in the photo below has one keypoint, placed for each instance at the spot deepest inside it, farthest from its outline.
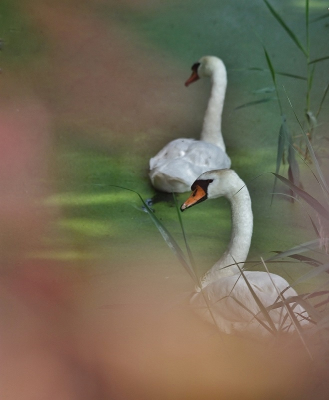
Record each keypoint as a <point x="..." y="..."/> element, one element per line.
<point x="181" y="161"/>
<point x="223" y="285"/>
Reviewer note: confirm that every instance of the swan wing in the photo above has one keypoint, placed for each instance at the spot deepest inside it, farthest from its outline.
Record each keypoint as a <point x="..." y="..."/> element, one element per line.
<point x="182" y="161"/>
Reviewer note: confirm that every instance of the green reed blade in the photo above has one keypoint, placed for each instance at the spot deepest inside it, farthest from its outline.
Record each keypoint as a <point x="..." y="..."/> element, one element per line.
<point x="252" y="103"/>
<point x="286" y="28"/>
<point x="171" y="242"/>
<point x="258" y="302"/>
<point x="307" y="197"/>
<point x="311" y="245"/>
<point x="318" y="60"/>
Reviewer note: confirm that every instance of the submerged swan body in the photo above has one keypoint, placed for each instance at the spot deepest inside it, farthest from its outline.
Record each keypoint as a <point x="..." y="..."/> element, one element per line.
<point x="228" y="296"/>
<point x="181" y="161"/>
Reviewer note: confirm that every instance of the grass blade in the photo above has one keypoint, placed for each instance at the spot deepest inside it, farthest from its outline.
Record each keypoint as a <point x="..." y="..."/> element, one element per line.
<point x="321" y="17"/>
<point x="252" y="103"/>
<point x="290" y="312"/>
<point x="286" y="28"/>
<point x="313" y="244"/>
<point x="311" y="274"/>
<point x="264" y="90"/>
<point x="303" y="259"/>
<point x="281" y="145"/>
<point x="318" y="60"/>
<point x="291" y="75"/>
<point x="322" y="100"/>
<point x="272" y="70"/>
<point x="270" y="65"/>
<point x="171" y="242"/>
<point x="310" y="149"/>
<point x="315" y="228"/>
<point x="188" y="249"/>
<point x="277" y="72"/>
<point x="280" y="151"/>
<point x="293" y="171"/>
<point x="323" y="323"/>
<point x="258" y="302"/>
<point x="310" y="81"/>
<point x="254" y="315"/>
<point x="307" y="18"/>
<point x="307" y="197"/>
<point x="315" y="315"/>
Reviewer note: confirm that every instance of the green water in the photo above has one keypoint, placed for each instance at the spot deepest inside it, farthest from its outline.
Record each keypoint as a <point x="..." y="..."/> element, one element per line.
<point x="89" y="154"/>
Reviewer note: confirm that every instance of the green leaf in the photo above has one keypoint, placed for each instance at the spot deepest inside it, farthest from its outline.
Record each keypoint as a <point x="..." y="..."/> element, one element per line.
<point x="324" y="322"/>
<point x="188" y="249"/>
<point x="277" y="72"/>
<point x="264" y="90"/>
<point x="291" y="75"/>
<point x="307" y="18"/>
<point x="307" y="197"/>
<point x="307" y="12"/>
<point x="318" y="60"/>
<point x="293" y="172"/>
<point x="254" y="315"/>
<point x="252" y="103"/>
<point x="290" y="311"/>
<point x="301" y="248"/>
<point x="310" y="81"/>
<point x="321" y="17"/>
<point x="286" y="28"/>
<point x="281" y="144"/>
<point x="323" y="302"/>
<point x="303" y="259"/>
<point x="310" y="149"/>
<point x="300" y="299"/>
<point x="311" y="274"/>
<point x="171" y="242"/>
<point x="253" y="69"/>
<point x="322" y="100"/>
<point x="280" y="151"/>
<point x="270" y="65"/>
<point x="315" y="228"/>
<point x="258" y="302"/>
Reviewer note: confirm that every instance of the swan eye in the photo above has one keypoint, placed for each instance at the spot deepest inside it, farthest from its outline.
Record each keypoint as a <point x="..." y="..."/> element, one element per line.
<point x="195" y="67"/>
<point x="204" y="183"/>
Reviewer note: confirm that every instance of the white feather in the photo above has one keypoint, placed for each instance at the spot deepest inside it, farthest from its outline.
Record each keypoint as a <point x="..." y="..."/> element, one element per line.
<point x="181" y="161"/>
<point x="223" y="285"/>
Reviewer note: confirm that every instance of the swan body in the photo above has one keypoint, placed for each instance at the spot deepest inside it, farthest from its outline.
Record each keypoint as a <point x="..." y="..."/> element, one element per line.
<point x="223" y="288"/>
<point x="181" y="161"/>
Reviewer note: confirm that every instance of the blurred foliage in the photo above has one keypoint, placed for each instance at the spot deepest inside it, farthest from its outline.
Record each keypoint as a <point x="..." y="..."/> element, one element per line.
<point x="22" y="41"/>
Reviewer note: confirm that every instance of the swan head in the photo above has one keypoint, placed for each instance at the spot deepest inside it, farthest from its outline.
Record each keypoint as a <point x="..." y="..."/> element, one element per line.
<point x="207" y="66"/>
<point x="213" y="184"/>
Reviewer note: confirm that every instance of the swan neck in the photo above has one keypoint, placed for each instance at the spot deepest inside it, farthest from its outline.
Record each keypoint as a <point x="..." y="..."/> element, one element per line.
<point x="212" y="124"/>
<point x="238" y="248"/>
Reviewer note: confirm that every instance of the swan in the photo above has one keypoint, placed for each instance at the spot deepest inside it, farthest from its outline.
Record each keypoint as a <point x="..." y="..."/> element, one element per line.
<point x="223" y="286"/>
<point x="181" y="161"/>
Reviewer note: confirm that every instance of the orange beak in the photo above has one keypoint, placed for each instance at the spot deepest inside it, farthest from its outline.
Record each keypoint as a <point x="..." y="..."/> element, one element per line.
<point x="196" y="197"/>
<point x="194" y="77"/>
